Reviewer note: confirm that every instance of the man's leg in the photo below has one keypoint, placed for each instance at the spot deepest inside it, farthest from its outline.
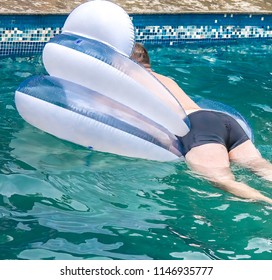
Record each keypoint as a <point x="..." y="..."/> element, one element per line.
<point x="248" y="156"/>
<point x="212" y="162"/>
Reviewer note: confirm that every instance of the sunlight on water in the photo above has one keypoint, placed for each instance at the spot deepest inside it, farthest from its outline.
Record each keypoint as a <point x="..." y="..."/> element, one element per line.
<point x="62" y="201"/>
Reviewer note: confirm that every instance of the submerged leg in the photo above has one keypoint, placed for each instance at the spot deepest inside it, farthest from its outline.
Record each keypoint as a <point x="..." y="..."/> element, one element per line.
<point x="212" y="162"/>
<point x="248" y="156"/>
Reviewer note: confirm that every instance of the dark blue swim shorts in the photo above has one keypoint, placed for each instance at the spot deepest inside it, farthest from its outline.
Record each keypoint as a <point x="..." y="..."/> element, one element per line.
<point x="213" y="127"/>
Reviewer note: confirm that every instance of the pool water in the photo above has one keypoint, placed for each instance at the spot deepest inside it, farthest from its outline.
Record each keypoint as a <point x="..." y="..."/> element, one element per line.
<point x="62" y="201"/>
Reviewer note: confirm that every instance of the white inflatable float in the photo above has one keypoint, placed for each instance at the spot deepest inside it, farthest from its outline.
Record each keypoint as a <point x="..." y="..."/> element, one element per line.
<point x="90" y="119"/>
<point x="96" y="96"/>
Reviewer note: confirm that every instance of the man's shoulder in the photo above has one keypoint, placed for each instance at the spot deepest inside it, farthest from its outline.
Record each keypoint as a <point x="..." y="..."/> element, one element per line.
<point x="164" y="78"/>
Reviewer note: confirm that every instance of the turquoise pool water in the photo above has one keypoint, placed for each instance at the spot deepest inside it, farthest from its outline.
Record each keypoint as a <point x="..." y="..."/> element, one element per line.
<point x="61" y="201"/>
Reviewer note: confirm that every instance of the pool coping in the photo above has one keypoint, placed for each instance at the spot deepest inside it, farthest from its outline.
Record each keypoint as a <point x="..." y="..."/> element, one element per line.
<point x="13" y="13"/>
<point x="64" y="7"/>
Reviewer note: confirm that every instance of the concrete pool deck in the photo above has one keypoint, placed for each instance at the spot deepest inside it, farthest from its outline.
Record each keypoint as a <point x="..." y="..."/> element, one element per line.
<point x="141" y="6"/>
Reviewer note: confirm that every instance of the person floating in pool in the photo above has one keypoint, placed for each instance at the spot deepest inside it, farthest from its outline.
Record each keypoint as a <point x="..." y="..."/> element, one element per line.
<point x="215" y="140"/>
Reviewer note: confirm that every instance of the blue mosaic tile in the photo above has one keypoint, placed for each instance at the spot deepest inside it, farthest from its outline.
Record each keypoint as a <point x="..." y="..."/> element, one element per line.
<point x="27" y="34"/>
